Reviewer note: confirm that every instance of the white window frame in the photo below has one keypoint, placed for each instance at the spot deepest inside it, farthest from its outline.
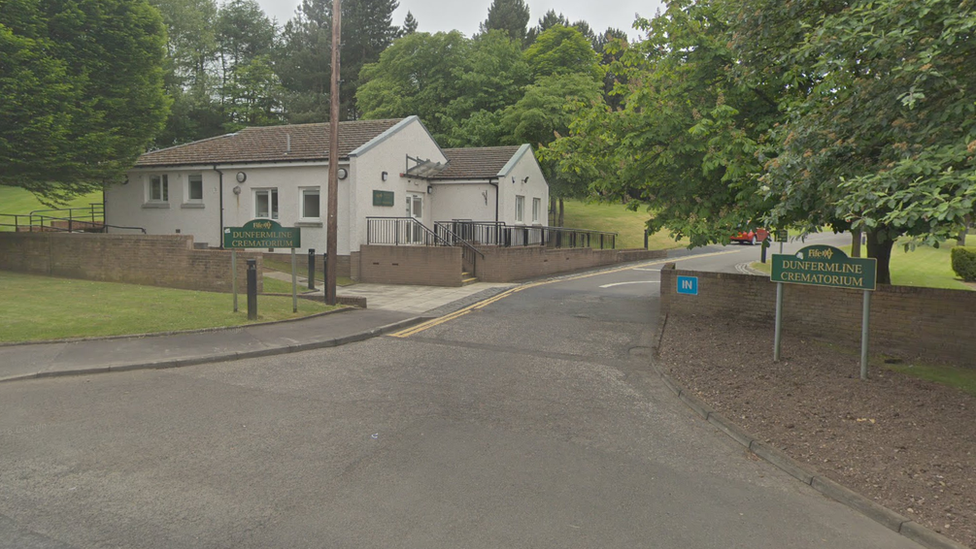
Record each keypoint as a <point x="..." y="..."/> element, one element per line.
<point x="519" y="208"/>
<point x="536" y="209"/>
<point x="273" y="203"/>
<point x="189" y="188"/>
<point x="162" y="196"/>
<point x="302" y="192"/>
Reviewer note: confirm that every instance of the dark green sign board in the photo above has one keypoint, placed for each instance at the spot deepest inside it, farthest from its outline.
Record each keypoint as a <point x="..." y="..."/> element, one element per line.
<point x="262" y="233"/>
<point x="825" y="266"/>
<point x="383" y="198"/>
<point x="781" y="235"/>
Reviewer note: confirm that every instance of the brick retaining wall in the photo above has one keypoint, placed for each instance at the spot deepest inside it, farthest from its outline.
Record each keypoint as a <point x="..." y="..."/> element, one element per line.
<point x="422" y="265"/>
<point x="513" y="264"/>
<point x="156" y="260"/>
<point x="919" y="321"/>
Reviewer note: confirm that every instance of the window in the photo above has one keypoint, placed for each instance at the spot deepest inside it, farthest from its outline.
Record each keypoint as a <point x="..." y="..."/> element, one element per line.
<point x="194" y="188"/>
<point x="311" y="206"/>
<point x="519" y="209"/>
<point x="536" y="208"/>
<point x="159" y="188"/>
<point x="266" y="203"/>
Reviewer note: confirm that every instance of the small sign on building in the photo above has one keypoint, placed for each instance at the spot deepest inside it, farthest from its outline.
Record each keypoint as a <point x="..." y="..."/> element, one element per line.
<point x="383" y="198"/>
<point x="688" y="285"/>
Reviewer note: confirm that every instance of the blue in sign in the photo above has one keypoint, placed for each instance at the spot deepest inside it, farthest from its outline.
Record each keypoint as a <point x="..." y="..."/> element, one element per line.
<point x="688" y="285"/>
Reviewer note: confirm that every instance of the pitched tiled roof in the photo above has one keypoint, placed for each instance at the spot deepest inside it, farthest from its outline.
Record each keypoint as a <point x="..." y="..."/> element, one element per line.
<point x="476" y="163"/>
<point x="270" y="144"/>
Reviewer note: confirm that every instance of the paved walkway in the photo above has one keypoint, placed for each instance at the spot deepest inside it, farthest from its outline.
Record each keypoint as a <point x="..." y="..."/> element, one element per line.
<point x="390" y="308"/>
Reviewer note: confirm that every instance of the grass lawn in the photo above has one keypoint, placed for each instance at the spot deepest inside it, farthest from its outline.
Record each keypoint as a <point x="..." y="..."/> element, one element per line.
<point x="14" y="200"/>
<point x="284" y="265"/>
<point x="963" y="379"/>
<point x="275" y="286"/>
<point x="57" y="308"/>
<point x="615" y="218"/>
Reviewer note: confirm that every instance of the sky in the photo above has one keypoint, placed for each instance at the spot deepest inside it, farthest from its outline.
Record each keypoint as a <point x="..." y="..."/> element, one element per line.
<point x="465" y="15"/>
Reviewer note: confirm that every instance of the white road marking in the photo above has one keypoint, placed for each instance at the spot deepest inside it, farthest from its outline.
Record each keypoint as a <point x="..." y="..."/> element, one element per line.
<point x="635" y="282"/>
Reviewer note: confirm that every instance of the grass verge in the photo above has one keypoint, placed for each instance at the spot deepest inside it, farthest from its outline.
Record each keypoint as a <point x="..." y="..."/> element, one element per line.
<point x="963" y="379"/>
<point x="38" y="308"/>
<point x="616" y="218"/>
<point x="284" y="266"/>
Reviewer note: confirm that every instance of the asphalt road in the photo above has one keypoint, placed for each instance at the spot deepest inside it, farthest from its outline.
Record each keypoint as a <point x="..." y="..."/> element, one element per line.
<point x="531" y="422"/>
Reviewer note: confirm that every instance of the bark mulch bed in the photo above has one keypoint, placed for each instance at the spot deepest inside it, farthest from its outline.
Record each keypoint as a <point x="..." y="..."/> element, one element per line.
<point x="908" y="444"/>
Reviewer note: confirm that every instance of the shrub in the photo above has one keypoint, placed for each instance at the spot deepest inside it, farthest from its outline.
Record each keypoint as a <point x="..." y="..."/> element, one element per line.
<point x="964" y="262"/>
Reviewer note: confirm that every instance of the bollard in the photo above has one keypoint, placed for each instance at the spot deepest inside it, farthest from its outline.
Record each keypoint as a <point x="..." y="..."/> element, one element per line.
<point x="252" y="289"/>
<point x="645" y="238"/>
<point x="311" y="268"/>
<point x="765" y="246"/>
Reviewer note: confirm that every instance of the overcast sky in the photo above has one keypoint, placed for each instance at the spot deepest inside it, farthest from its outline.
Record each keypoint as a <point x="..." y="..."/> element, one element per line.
<point x="465" y="15"/>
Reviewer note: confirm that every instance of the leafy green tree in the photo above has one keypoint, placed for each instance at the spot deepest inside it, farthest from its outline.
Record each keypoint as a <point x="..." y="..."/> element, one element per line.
<point x="510" y="16"/>
<point x="191" y="75"/>
<point x="81" y="92"/>
<point x="418" y="74"/>
<point x="885" y="137"/>
<point x="562" y="50"/>
<point x="684" y="141"/>
<point x="251" y="92"/>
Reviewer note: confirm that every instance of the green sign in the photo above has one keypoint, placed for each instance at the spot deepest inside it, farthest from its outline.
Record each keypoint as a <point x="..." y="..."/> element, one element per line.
<point x="262" y="233"/>
<point x="383" y="198"/>
<point x="782" y="235"/>
<point x="825" y="266"/>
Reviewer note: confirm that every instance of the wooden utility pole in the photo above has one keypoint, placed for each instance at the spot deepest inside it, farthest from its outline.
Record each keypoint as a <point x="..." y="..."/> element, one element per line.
<point x="332" y="230"/>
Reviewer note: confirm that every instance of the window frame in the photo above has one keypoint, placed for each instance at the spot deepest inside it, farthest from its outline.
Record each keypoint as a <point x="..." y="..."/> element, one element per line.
<point x="302" y="192"/>
<point x="162" y="179"/>
<point x="520" y="208"/>
<point x="536" y="210"/>
<point x="190" y="180"/>
<point x="274" y="209"/>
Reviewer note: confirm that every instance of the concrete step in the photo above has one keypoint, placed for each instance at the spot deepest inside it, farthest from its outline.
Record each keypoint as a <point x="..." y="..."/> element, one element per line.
<point x="467" y="278"/>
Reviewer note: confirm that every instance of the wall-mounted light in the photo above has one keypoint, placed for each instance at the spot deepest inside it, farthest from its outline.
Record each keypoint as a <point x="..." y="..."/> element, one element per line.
<point x="526" y="180"/>
<point x="237" y="189"/>
<point x="513" y="180"/>
<point x="384" y="175"/>
<point x="430" y="189"/>
<point x="241" y="177"/>
<point x="343" y="173"/>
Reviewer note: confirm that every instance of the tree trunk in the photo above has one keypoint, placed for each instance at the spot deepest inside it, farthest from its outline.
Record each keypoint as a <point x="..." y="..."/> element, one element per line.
<point x="562" y="213"/>
<point x="552" y="211"/>
<point x="962" y="237"/>
<point x="855" y="243"/>
<point x="882" y="252"/>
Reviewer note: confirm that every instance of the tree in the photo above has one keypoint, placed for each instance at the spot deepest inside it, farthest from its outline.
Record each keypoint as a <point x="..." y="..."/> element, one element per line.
<point x="417" y="75"/>
<point x="684" y="141"/>
<point x="510" y="16"/>
<point x="562" y="50"/>
<point x="305" y="56"/>
<point x="81" y="92"/>
<point x="250" y="91"/>
<point x="885" y="137"/>
<point x="409" y="25"/>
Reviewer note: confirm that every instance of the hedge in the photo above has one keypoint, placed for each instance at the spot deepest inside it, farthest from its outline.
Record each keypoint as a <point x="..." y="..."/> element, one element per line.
<point x="964" y="262"/>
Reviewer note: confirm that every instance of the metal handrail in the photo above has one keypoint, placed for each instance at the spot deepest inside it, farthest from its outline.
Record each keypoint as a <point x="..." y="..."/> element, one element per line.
<point x="407" y="222"/>
<point x="499" y="233"/>
<point x="457" y="239"/>
<point x="101" y="225"/>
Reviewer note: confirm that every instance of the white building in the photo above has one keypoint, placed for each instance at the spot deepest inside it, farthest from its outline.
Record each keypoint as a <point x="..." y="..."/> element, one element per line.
<point x="387" y="169"/>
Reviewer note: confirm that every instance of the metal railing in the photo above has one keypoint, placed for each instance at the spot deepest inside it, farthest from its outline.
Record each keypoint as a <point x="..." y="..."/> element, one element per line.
<point x="490" y="233"/>
<point x="401" y="231"/>
<point x="469" y="254"/>
<point x="89" y="219"/>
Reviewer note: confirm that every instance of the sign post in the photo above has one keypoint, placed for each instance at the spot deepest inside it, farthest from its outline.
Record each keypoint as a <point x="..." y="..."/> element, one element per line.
<point x="826" y="266"/>
<point x="263" y="233"/>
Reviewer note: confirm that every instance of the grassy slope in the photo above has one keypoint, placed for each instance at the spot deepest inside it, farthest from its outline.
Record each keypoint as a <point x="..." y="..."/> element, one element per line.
<point x="64" y="308"/>
<point x="14" y="200"/>
<point x="615" y="218"/>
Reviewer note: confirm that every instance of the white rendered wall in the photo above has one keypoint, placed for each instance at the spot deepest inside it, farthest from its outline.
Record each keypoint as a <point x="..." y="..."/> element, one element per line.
<point x="512" y="183"/>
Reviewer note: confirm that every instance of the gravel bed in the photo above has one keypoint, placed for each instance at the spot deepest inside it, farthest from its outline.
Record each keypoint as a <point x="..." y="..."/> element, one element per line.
<point x="908" y="444"/>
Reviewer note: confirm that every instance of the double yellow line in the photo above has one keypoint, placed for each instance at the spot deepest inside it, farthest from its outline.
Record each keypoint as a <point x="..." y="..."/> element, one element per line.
<point x="482" y="304"/>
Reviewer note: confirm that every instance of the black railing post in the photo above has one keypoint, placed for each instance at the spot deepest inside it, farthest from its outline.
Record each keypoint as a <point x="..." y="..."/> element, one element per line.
<point x="252" y="289"/>
<point x="311" y="268"/>
<point x="601" y="241"/>
<point x="646" y="235"/>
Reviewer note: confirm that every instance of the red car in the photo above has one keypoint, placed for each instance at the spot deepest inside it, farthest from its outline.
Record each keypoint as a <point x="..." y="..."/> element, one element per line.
<point x="751" y="236"/>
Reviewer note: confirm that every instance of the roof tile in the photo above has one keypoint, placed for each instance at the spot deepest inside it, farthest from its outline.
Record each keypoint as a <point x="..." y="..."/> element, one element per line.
<point x="476" y="162"/>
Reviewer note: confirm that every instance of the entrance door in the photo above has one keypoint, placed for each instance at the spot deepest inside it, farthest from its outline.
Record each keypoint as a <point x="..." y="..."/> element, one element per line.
<point x="415" y="210"/>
